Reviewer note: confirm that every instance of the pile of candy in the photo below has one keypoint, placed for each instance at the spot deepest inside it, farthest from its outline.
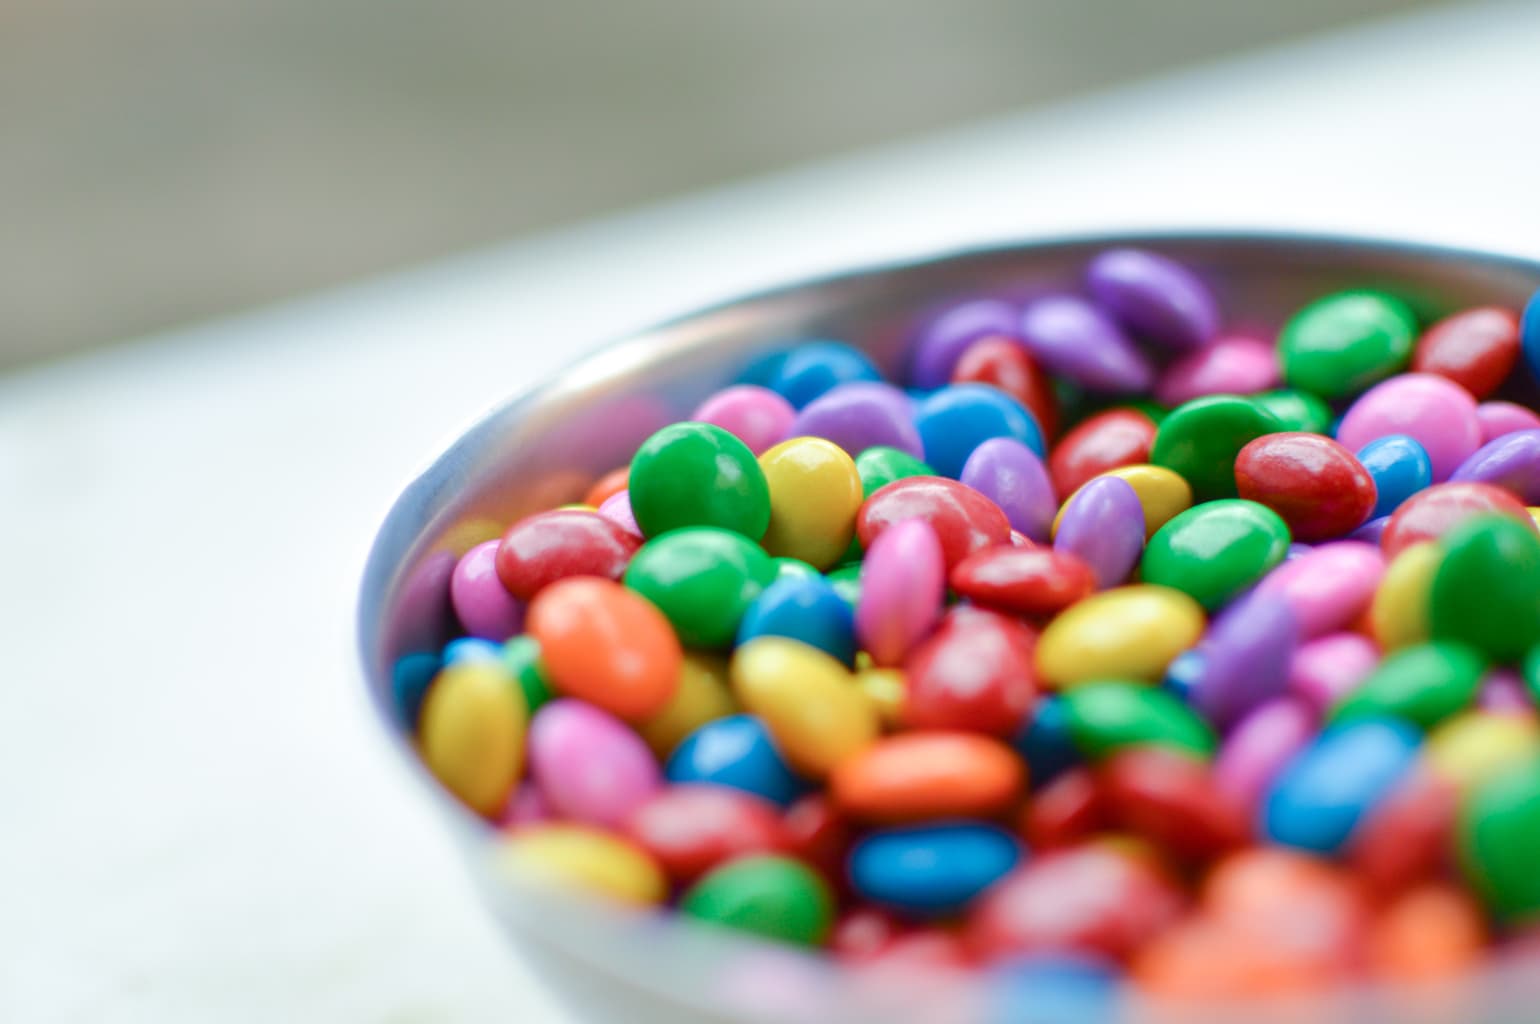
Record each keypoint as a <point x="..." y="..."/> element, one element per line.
<point x="1230" y="691"/>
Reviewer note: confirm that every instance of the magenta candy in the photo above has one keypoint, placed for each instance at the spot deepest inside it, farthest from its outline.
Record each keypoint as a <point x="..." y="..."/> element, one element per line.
<point x="903" y="585"/>
<point x="757" y="416"/>
<point x="1246" y="656"/>
<point x="1328" y="587"/>
<point x="1503" y="691"/>
<point x="589" y="765"/>
<point x="1436" y="412"/>
<point x="859" y="416"/>
<point x="1259" y="746"/>
<point x="1011" y="475"/>
<point x="617" y="509"/>
<point x="527" y="806"/>
<point x="944" y="339"/>
<point x="1230" y="366"/>
<point x="1103" y="524"/>
<point x="481" y="602"/>
<point x="1071" y="337"/>
<point x="1511" y="462"/>
<point x="1326" y="669"/>
<point x="1499" y="418"/>
<point x="1154" y="297"/>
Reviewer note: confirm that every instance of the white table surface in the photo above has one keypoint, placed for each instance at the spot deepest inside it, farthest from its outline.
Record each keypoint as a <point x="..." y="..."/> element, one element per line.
<point x="200" y="821"/>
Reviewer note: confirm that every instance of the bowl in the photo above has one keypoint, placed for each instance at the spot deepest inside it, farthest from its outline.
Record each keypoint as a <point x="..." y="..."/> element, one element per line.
<point x="545" y="446"/>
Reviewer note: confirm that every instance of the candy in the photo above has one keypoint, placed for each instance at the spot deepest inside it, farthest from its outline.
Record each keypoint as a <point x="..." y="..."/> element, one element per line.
<point x="481" y="602"/>
<point x="1245" y="657"/>
<point x="1037" y="582"/>
<point x="696" y="474"/>
<point x="1215" y="550"/>
<point x="806" y="699"/>
<point x="1345" y="342"/>
<point x="931" y="870"/>
<point x="1103" y="525"/>
<point x="1200" y="441"/>
<point x="1399" y="466"/>
<point x="1432" y="513"/>
<point x="859" y="416"/>
<point x="808" y="610"/>
<point x="1259" y="745"/>
<point x="1499" y="841"/>
<point x="1529" y="333"/>
<point x="1001" y="362"/>
<point x="941" y="343"/>
<point x="617" y="509"/>
<point x="814" y="368"/>
<point x="521" y="657"/>
<point x="1499" y="418"/>
<point x="964" y="520"/>
<point x="1511" y="461"/>
<point x="1471" y="748"/>
<point x="772" y="896"/>
<point x="1072" y="338"/>
<point x="1062" y="812"/>
<point x="757" y="416"/>
<point x="1434" y="931"/>
<point x="410" y="678"/>
<point x="1328" y="787"/>
<point x="1326" y="669"/>
<point x="541" y="549"/>
<point x="1296" y="410"/>
<point x="1475" y="348"/>
<point x="1486" y="590"/>
<point x="1170" y="797"/>
<point x="879" y="466"/>
<point x="815" y="492"/>
<point x="736" y="751"/>
<point x="975" y="673"/>
<point x="1105" y="718"/>
<point x="472" y="733"/>
<point x="1011" y="475"/>
<point x="1128" y="633"/>
<point x="1435" y="412"/>
<point x="1329" y="587"/>
<point x="590" y="768"/>
<point x="703" y="579"/>
<point x="701" y="696"/>
<point x="1118" y="437"/>
<point x="606" y="487"/>
<point x="689" y="830"/>
<point x="1230" y="366"/>
<point x="1045" y="742"/>
<point x="1319" y="489"/>
<point x="1154" y="297"/>
<point x="903" y="586"/>
<point x="585" y="857"/>
<point x="1423" y="685"/>
<point x="956" y="419"/>
<point x="920" y="775"/>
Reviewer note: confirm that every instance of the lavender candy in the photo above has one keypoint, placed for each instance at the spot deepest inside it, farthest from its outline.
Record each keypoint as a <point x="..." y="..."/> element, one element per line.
<point x="859" y="416"/>
<point x="1074" y="339"/>
<point x="1012" y="476"/>
<point x="944" y="339"/>
<point x="1103" y="524"/>
<point x="1154" y="297"/>
<point x="1511" y="461"/>
<point x="1246" y="657"/>
<point x="1259" y="746"/>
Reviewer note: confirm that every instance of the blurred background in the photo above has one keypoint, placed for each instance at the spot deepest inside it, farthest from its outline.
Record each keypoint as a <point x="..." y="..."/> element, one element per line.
<point x="163" y="161"/>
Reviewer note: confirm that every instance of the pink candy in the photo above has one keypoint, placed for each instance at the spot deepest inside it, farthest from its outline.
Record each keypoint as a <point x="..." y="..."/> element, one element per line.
<point x="1323" y="671"/>
<point x="1499" y="418"/>
<point x="903" y="584"/>
<point x="1230" y="366"/>
<point x="1434" y="410"/>
<point x="590" y="766"/>
<point x="1328" y="587"/>
<point x="481" y="602"/>
<point x="757" y="416"/>
<point x="1260" y="745"/>
<point x="617" y="509"/>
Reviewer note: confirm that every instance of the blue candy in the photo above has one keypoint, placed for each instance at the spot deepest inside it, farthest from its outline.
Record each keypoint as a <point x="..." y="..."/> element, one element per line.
<point x="931" y="870"/>
<point x="735" y="751"/>
<point x="1184" y="673"/>
<point x="955" y="420"/>
<point x="470" y="648"/>
<point x="816" y="366"/>
<point x="1046" y="742"/>
<point x="1053" y="988"/>
<point x="806" y="609"/>
<point x="1529" y="334"/>
<point x="1322" y="794"/>
<point x="1400" y="467"/>
<point x="409" y="681"/>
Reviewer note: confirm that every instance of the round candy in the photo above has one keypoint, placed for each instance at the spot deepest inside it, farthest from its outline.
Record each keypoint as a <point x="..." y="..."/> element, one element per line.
<point x="1107" y="717"/>
<point x="1499" y="842"/>
<point x="1200" y="440"/>
<point x="1486" y="591"/>
<point x="703" y="579"/>
<point x="697" y="474"/>
<point x="806" y="699"/>
<point x="772" y="896"/>
<point x="1400" y="468"/>
<point x="1171" y="798"/>
<point x="589" y="766"/>
<point x="1154" y="297"/>
<point x="1162" y="494"/>
<point x="942" y="342"/>
<point x="858" y="416"/>
<point x="691" y="829"/>
<point x="1499" y="418"/>
<point x="1297" y="410"/>
<point x="481" y="602"/>
<point x="1103" y="525"/>
<point x="816" y="367"/>
<point x="956" y="419"/>
<point x="1398" y="615"/>
<point x="1036" y="582"/>
<point x="975" y="673"/>
<point x="1511" y="461"/>
<point x="815" y="493"/>
<point x="964" y="520"/>
<point x="921" y="775"/>
<point x="1000" y="361"/>
<point x="1476" y="348"/>
<point x="1128" y="633"/>
<point x="1329" y="587"/>
<point x="1422" y="685"/>
<point x="1071" y="337"/>
<point x="1245" y="657"/>
<point x="586" y="858"/>
<point x="807" y="610"/>
<point x="931" y="870"/>
<point x="903" y="587"/>
<point x="543" y="548"/>
<point x="1117" y="437"/>
<point x="736" y="751"/>
<point x="472" y="733"/>
<point x="1215" y="550"/>
<point x="880" y="466"/>
<point x="1230" y="366"/>
<point x="701" y="696"/>
<point x="1011" y="475"/>
<point x="1258" y="747"/>
<point x="1314" y="483"/>
<point x="754" y="415"/>
<point x="1342" y="343"/>
<point x="1437" y="413"/>
<point x="1429" y="514"/>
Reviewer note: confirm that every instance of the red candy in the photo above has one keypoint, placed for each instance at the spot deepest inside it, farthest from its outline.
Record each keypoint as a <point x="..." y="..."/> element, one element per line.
<point x="964" y="520"/>
<point x="1406" y="839"/>
<point x="1092" y="899"/>
<point x="818" y="834"/>
<point x="1476" y="349"/>
<point x="541" y="549"/>
<point x="1433" y="512"/>
<point x="1118" y="437"/>
<point x="1063" y="812"/>
<point x="1170" y="798"/>
<point x="1314" y="483"/>
<point x="1001" y="361"/>
<point x="690" y="829"/>
<point x="1038" y="582"/>
<point x="974" y="673"/>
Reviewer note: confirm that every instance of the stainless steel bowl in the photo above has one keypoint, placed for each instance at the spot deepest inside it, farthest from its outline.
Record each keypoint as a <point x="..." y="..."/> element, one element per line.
<point x="545" y="446"/>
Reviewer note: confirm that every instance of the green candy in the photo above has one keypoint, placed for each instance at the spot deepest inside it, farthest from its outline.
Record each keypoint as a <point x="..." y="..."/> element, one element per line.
<point x="1107" y="717"/>
<point x="1297" y="410"/>
<point x="1341" y="344"/>
<point x="1498" y="837"/>
<point x="1153" y="411"/>
<point x="846" y="581"/>
<point x="697" y="474"/>
<point x="775" y="897"/>
<point x="1213" y="551"/>
<point x="1531" y="672"/>
<point x="881" y="465"/>
<point x="1200" y="440"/>
<point x="1486" y="591"/>
<point x="787" y="568"/>
<point x="702" y="579"/>
<point x="1423" y="685"/>
<point x="521" y="657"/>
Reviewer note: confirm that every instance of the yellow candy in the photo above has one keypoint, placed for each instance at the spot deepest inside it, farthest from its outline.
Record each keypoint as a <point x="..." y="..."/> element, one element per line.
<point x="464" y="535"/>
<point x="1399" y="615"/>
<point x="1534" y="513"/>
<point x="702" y="696"/>
<point x="1162" y="493"/>
<point x="812" y="706"/>
<point x="884" y="687"/>
<point x="576" y="506"/>
<point x="1473" y="747"/>
<point x="472" y="732"/>
<point x="1128" y="633"/>
<point x="587" y="858"/>
<point x="815" y="493"/>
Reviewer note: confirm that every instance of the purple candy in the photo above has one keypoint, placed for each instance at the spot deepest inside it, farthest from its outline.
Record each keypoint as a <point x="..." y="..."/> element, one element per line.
<point x="1259" y="746"/>
<point x="1512" y="461"/>
<point x="1246" y="657"/>
<point x="1103" y="524"/>
<point x="943" y="342"/>
<point x="1371" y="531"/>
<point x="1011" y="475"/>
<point x="1154" y="297"/>
<point x="1073" y="338"/>
<point x="859" y="416"/>
<point x="1503" y="691"/>
<point x="1323" y="671"/>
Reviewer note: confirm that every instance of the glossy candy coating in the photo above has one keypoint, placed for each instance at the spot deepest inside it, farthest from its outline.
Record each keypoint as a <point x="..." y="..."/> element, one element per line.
<point x="1246" y="656"/>
<point x="692" y="829"/>
<point x="1107" y="717"/>
<point x="858" y="416"/>
<point x="607" y="486"/>
<point x="1499" y="418"/>
<point x="1045" y="741"/>
<point x="1154" y="297"/>
<point x="880" y="466"/>
<point x="1000" y="361"/>
<point x="922" y="775"/>
<point x="1329" y="587"/>
<point x="1103" y="525"/>
<point x="940" y="343"/>
<point x="1063" y="811"/>
<point x="1073" y="338"/>
<point x="815" y="492"/>
<point x="975" y="673"/>
<point x="772" y="896"/>
<point x="1117" y="437"/>
<point x="617" y="509"/>
<point x="815" y="713"/>
<point x="1162" y="494"/>
<point x="1486" y="590"/>
<point x="813" y="368"/>
<point x="1511" y="461"/>
<point x="1400" y="468"/>
<point x="1475" y="348"/>
<point x="755" y="415"/>
<point x="1235" y="365"/>
<point x="964" y="520"/>
<point x="1529" y="333"/>
<point x="521" y="657"/>
<point x="587" y="858"/>
<point x="1342" y="343"/>
<point x="956" y="419"/>
<point x="1200" y="440"/>
<point x="1429" y="514"/>
<point x="1471" y="748"/>
<point x="1171" y="797"/>
<point x="1012" y="475"/>
<point x="1035" y="582"/>
<point x="1130" y="632"/>
<point x="1319" y="489"/>
<point x="589" y="766"/>
<point x="903" y="587"/>
<point x="1296" y="410"/>
<point x="933" y="869"/>
<point x="1398" y="615"/>
<point x="1215" y="550"/>
<point x="1434" y="411"/>
<point x="703" y="579"/>
<point x="1421" y="685"/>
<point x="472" y="733"/>
<point x="736" y="751"/>
<point x="697" y="474"/>
<point x="481" y="602"/>
<point x="548" y="546"/>
<point x="807" y="610"/>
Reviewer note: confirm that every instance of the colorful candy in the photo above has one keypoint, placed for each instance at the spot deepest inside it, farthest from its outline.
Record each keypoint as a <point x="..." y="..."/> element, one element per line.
<point x="1319" y="489"/>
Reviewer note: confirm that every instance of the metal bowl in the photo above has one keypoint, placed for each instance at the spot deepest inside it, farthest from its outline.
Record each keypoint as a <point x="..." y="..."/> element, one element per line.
<point x="545" y="446"/>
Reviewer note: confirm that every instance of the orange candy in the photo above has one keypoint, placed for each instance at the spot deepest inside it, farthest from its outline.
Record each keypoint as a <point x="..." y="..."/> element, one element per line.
<point x="923" y="774"/>
<point x="607" y="486"/>
<point x="602" y="643"/>
<point x="1432" y="931"/>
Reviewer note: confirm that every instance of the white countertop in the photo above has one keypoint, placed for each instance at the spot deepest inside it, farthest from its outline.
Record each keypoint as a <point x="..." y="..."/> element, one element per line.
<point x="201" y="823"/>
